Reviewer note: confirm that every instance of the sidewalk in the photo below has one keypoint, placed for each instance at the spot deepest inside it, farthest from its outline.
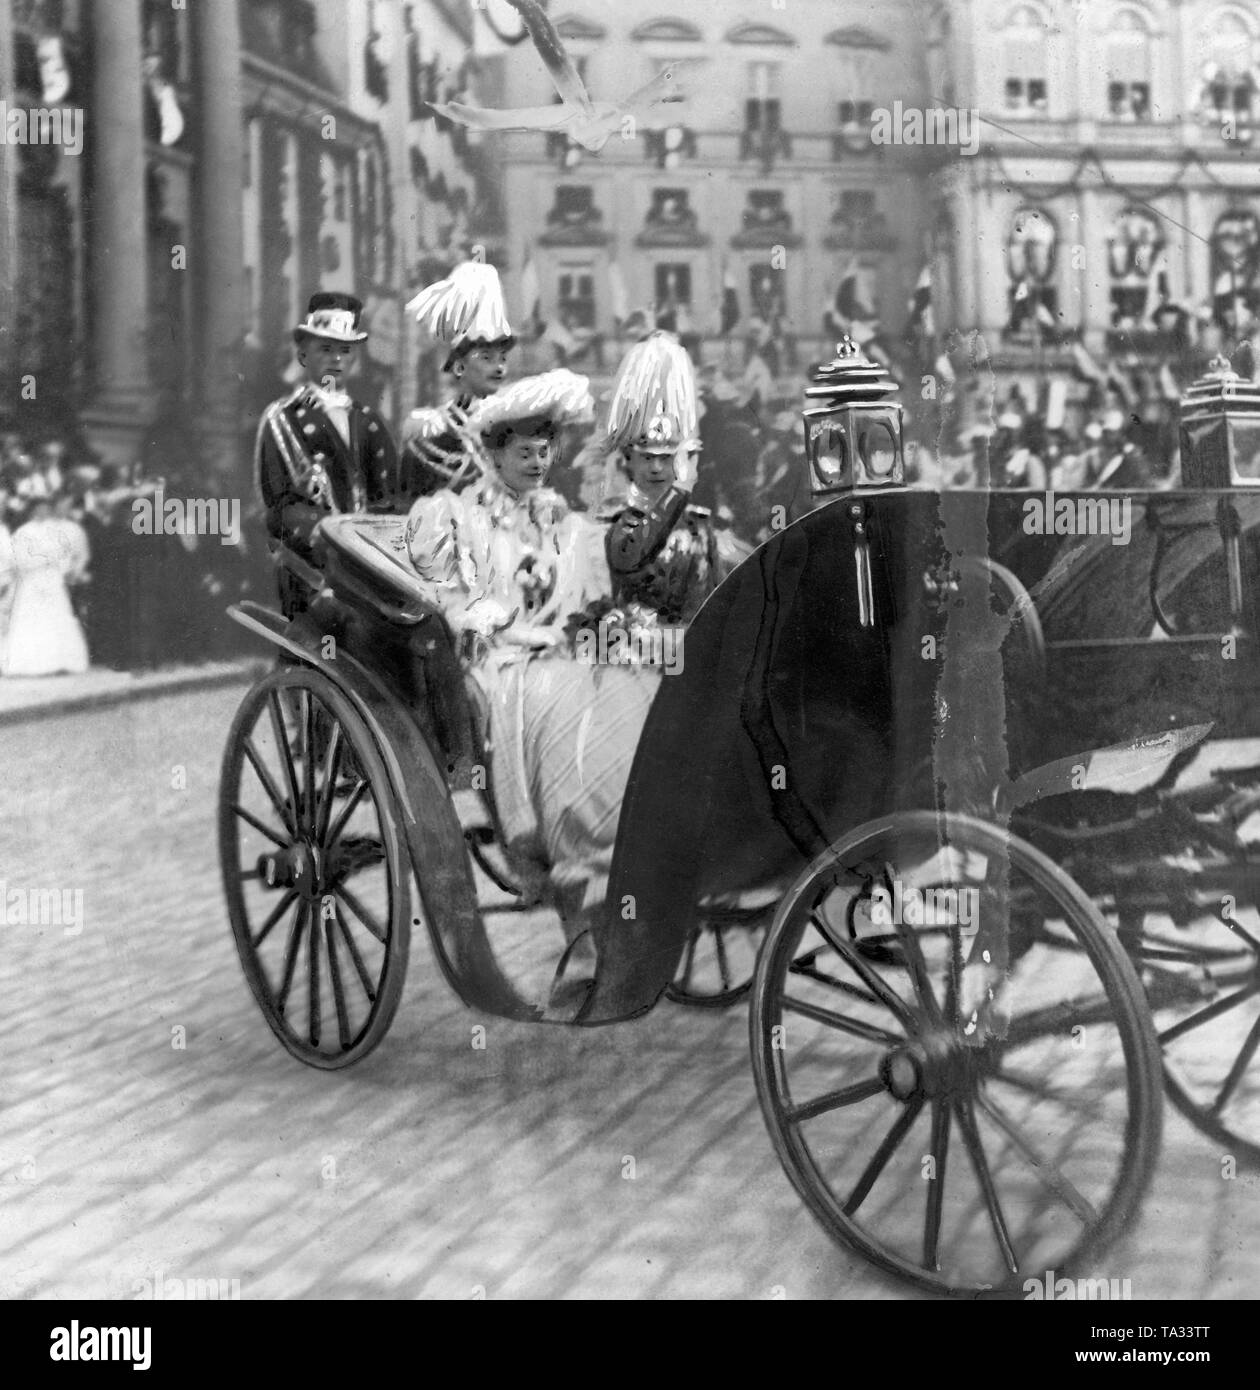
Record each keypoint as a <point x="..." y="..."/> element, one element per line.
<point x="25" y="699"/>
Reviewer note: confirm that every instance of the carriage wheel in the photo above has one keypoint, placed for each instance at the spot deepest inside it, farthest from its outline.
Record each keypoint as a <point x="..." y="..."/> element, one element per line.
<point x="317" y="879"/>
<point x="962" y="1139"/>
<point x="720" y="957"/>
<point x="1203" y="986"/>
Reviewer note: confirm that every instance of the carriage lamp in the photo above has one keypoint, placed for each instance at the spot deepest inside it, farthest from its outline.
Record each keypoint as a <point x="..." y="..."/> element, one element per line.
<point x="1220" y="430"/>
<point x="853" y="425"/>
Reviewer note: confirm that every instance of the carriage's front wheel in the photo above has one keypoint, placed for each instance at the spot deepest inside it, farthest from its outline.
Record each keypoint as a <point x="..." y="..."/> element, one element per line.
<point x="314" y="868"/>
<point x="965" y="1127"/>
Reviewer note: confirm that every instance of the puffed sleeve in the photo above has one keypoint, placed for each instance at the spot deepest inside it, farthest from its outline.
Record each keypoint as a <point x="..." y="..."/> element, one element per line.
<point x="635" y="536"/>
<point x="450" y="554"/>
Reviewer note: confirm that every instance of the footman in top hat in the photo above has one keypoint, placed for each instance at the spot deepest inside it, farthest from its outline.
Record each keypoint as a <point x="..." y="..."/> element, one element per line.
<point x="319" y="451"/>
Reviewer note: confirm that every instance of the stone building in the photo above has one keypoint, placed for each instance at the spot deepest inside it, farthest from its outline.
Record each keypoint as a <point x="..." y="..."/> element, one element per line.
<point x="236" y="156"/>
<point x="763" y="196"/>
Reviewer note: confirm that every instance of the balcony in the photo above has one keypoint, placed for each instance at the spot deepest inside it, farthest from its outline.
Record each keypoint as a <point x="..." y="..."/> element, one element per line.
<point x="671" y="221"/>
<point x="765" y="146"/>
<point x="766" y="223"/>
<point x="859" y="231"/>
<point x="574" y="220"/>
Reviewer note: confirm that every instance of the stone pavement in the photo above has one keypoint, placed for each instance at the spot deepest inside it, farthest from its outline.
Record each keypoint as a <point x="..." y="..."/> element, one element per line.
<point x="150" y="1125"/>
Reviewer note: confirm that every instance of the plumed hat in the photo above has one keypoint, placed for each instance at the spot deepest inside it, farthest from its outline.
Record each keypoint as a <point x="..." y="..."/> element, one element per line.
<point x="333" y="316"/>
<point x="560" y="396"/>
<point x="466" y="307"/>
<point x="653" y="404"/>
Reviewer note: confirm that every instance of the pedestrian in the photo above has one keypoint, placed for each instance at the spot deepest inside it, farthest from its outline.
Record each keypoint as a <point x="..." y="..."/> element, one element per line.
<point x="318" y="451"/>
<point x="44" y="637"/>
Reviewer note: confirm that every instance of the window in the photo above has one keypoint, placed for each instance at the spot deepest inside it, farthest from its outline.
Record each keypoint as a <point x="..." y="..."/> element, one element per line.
<point x="1128" y="68"/>
<point x="576" y="297"/>
<point x="1138" y="279"/>
<point x="574" y="203"/>
<point x="1025" y="63"/>
<point x="1228" y="77"/>
<point x="671" y="207"/>
<point x="673" y="287"/>
<point x="762" y="112"/>
<point x="1236" y="271"/>
<point x="765" y="292"/>
<point x="765" y="211"/>
<point x="1030" y="260"/>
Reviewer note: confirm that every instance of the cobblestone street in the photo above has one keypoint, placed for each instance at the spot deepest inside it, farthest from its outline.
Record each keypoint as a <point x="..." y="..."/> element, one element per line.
<point x="151" y="1123"/>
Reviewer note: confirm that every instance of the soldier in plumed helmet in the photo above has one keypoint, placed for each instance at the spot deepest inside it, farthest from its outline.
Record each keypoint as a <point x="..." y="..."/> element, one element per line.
<point x="319" y="452"/>
<point x="466" y="312"/>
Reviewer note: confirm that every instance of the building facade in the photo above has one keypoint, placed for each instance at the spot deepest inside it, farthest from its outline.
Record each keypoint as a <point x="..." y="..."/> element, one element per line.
<point x="760" y="199"/>
<point x="236" y="156"/>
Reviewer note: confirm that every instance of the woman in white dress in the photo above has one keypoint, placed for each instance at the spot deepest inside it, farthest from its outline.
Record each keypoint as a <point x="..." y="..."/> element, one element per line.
<point x="44" y="637"/>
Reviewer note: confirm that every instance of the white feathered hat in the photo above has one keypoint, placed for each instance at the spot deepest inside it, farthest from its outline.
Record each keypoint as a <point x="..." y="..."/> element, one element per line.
<point x="466" y="307"/>
<point x="561" y="396"/>
<point x="653" y="404"/>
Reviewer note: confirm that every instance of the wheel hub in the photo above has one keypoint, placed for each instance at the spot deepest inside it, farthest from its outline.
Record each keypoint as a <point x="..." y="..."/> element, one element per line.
<point x="298" y="866"/>
<point x="934" y="1065"/>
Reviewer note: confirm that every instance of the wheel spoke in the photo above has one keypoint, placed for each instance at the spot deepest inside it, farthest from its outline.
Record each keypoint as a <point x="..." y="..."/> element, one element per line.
<point x="966" y="1118"/>
<point x="1037" y="1086"/>
<point x="334" y="975"/>
<point x="362" y="913"/>
<point x="308" y="758"/>
<point x="809" y="972"/>
<point x="869" y="1032"/>
<point x="290" y="955"/>
<point x="936" y="1186"/>
<point x="719" y="945"/>
<point x="312" y="961"/>
<point x="332" y="768"/>
<point x="1207" y="1015"/>
<point x="1240" y="931"/>
<point x="847" y="1095"/>
<point x="1241" y="1063"/>
<point x="1053" y="1018"/>
<point x="276" y="913"/>
<point x="881" y="1156"/>
<point x="282" y="742"/>
<point x="262" y="829"/>
<point x="689" y="958"/>
<point x="916" y="965"/>
<point x="869" y="976"/>
<point x="1046" y="1170"/>
<point x="344" y="814"/>
<point x="283" y="809"/>
<point x="365" y="979"/>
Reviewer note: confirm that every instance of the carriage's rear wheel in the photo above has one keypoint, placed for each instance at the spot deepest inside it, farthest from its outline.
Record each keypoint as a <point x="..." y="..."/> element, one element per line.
<point x="314" y="868"/>
<point x="964" y="1140"/>
<point x="720" y="957"/>
<point x="1203" y="986"/>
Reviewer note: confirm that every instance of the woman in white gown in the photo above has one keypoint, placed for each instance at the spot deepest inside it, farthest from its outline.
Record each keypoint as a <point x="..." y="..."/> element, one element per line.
<point x="44" y="637"/>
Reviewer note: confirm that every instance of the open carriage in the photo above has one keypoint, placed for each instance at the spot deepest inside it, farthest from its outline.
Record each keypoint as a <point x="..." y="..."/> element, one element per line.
<point x="990" y="778"/>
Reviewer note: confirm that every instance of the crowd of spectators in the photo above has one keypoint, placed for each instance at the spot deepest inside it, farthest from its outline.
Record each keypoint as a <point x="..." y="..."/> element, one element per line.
<point x="81" y="584"/>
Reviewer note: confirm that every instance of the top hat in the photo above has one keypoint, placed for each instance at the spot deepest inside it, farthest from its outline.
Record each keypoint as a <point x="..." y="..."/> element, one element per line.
<point x="332" y="316"/>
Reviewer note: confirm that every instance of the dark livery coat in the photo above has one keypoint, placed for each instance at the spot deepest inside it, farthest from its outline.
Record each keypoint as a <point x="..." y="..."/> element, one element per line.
<point x="306" y="471"/>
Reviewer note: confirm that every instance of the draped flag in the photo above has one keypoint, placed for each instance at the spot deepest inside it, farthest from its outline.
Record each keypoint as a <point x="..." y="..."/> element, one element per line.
<point x="730" y="301"/>
<point x="617" y="297"/>
<point x="531" y="296"/>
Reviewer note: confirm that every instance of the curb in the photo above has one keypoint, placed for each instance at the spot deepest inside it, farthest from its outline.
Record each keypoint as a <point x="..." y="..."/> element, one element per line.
<point x="146" y="687"/>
